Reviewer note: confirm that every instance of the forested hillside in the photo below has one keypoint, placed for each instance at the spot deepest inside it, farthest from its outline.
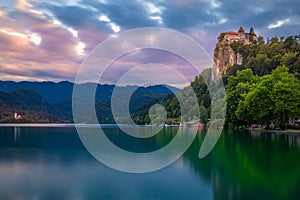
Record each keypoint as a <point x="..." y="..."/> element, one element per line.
<point x="264" y="89"/>
<point x="49" y="102"/>
<point x="29" y="105"/>
<point x="263" y="57"/>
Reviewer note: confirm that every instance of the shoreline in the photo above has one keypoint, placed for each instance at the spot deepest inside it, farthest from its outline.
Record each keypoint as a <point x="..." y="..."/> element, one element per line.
<point x="71" y="125"/>
<point x="53" y="125"/>
<point x="286" y="131"/>
<point x="67" y="125"/>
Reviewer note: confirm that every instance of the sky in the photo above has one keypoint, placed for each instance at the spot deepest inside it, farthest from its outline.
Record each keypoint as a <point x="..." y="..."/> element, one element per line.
<point x="46" y="40"/>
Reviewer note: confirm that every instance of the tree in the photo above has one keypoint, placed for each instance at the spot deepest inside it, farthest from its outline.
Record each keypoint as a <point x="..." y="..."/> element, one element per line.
<point x="221" y="37"/>
<point x="260" y="64"/>
<point x="291" y="44"/>
<point x="255" y="107"/>
<point x="289" y="59"/>
<point x="236" y="89"/>
<point x="275" y="98"/>
<point x="147" y="119"/>
<point x="260" y="40"/>
<point x="276" y="47"/>
<point x="285" y="96"/>
<point x="203" y="114"/>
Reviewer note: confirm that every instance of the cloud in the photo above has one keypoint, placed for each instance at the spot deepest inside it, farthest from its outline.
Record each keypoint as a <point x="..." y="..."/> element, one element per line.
<point x="279" y="23"/>
<point x="133" y="59"/>
<point x="33" y="46"/>
<point x="22" y="5"/>
<point x="80" y="48"/>
<point x="113" y="26"/>
<point x="104" y="18"/>
<point x="48" y="40"/>
<point x="2" y="13"/>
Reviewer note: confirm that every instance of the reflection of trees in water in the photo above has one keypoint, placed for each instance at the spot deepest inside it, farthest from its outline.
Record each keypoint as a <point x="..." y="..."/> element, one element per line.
<point x="43" y="145"/>
<point x="245" y="166"/>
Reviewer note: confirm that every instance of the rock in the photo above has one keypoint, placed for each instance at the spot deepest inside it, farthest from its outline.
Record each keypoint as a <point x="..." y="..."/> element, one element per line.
<point x="225" y="57"/>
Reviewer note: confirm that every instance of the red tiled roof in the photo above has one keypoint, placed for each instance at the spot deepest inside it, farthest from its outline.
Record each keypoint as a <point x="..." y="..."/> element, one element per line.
<point x="232" y="33"/>
<point x="241" y="29"/>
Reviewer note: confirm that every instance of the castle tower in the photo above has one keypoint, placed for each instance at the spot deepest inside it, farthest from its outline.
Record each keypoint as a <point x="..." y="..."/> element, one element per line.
<point x="15" y="115"/>
<point x="252" y="35"/>
<point x="241" y="30"/>
<point x="251" y="32"/>
<point x="242" y="35"/>
<point x="224" y="55"/>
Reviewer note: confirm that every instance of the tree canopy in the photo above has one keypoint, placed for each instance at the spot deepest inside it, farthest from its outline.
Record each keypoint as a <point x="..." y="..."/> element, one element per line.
<point x="273" y="98"/>
<point x="264" y="89"/>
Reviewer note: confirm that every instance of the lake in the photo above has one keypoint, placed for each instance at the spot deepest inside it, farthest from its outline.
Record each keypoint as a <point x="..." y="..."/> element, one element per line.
<point x="40" y="163"/>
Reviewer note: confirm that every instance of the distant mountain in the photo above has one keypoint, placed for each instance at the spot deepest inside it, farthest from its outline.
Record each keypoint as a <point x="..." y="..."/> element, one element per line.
<point x="52" y="102"/>
<point x="62" y="91"/>
<point x="52" y="92"/>
<point x="23" y="98"/>
<point x="28" y="105"/>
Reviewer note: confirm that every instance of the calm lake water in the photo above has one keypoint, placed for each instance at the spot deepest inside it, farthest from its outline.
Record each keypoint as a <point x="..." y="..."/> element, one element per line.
<point x="41" y="163"/>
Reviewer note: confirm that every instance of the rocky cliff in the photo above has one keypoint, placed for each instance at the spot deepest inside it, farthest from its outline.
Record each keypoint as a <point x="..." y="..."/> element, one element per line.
<point x="224" y="57"/>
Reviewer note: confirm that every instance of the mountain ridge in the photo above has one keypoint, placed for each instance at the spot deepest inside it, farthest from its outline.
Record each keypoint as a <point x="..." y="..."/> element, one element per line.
<point x="56" y="100"/>
<point x="62" y="91"/>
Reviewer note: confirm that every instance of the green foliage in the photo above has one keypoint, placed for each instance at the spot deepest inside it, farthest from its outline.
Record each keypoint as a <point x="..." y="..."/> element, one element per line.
<point x="170" y="121"/>
<point x="261" y="90"/>
<point x="34" y="108"/>
<point x="285" y="96"/>
<point x="236" y="89"/>
<point x="260" y="40"/>
<point x="263" y="57"/>
<point x="188" y="110"/>
<point x="257" y="91"/>
<point x="221" y="37"/>
<point x="271" y="98"/>
<point x="27" y="103"/>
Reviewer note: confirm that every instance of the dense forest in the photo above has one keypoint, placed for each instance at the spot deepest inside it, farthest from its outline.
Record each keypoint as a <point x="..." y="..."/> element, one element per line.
<point x="264" y="89"/>
<point x="48" y="102"/>
<point x="29" y="105"/>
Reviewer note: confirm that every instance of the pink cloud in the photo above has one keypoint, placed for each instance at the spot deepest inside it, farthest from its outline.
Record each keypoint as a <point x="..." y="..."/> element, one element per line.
<point x="131" y="60"/>
<point x="33" y="46"/>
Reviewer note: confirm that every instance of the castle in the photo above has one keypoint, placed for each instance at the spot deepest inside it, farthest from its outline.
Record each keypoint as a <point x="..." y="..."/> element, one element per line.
<point x="17" y="116"/>
<point x="224" y="55"/>
<point x="240" y="36"/>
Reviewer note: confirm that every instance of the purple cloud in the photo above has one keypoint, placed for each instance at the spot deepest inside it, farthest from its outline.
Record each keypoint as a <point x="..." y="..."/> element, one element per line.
<point x="48" y="40"/>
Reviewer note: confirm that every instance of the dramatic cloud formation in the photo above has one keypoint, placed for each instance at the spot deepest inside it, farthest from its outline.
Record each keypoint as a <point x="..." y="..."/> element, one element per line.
<point x="48" y="40"/>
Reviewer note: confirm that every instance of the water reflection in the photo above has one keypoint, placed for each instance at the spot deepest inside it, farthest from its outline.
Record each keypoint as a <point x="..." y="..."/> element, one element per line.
<point x="51" y="163"/>
<point x="252" y="165"/>
<point x="17" y="131"/>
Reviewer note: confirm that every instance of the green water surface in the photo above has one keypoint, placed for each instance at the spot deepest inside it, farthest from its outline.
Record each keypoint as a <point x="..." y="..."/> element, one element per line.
<point x="40" y="163"/>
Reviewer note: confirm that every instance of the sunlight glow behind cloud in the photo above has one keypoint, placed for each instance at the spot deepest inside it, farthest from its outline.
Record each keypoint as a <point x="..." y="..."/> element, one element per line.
<point x="35" y="38"/>
<point x="45" y="39"/>
<point x="112" y="25"/>
<point x="104" y="18"/>
<point x="279" y="23"/>
<point x="80" y="48"/>
<point x="32" y="37"/>
<point x="115" y="27"/>
<point x="71" y="30"/>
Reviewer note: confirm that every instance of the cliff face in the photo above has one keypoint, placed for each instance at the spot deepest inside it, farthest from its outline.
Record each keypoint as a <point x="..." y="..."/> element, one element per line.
<point x="224" y="57"/>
